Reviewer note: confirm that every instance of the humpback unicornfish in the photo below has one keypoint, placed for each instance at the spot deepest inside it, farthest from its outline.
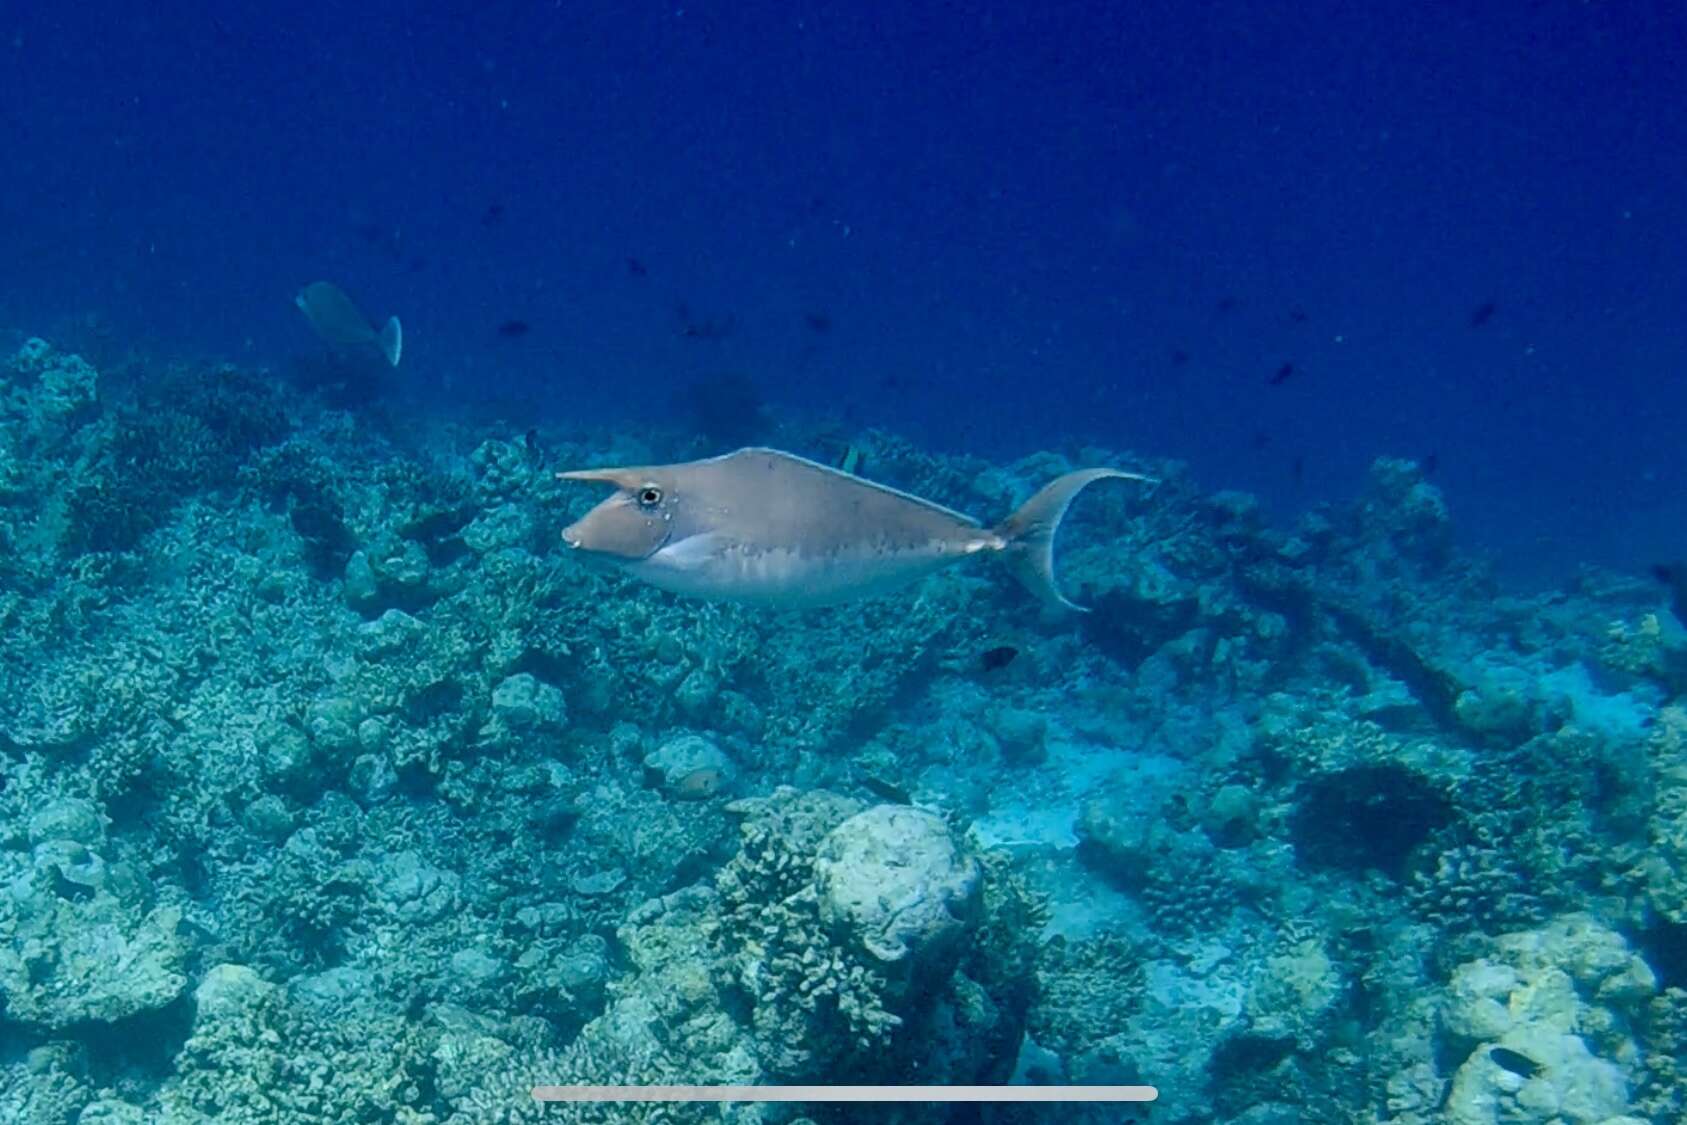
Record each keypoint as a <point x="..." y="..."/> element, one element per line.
<point x="771" y="528"/>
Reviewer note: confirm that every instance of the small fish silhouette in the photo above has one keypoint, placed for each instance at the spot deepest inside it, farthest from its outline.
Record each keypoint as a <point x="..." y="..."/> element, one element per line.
<point x="341" y="323"/>
<point x="1483" y="314"/>
<point x="710" y="329"/>
<point x="514" y="329"/>
<point x="995" y="659"/>
<point x="1674" y="576"/>
<point x="1282" y="375"/>
<point x="700" y="784"/>
<point x="1515" y="1061"/>
<point x="885" y="790"/>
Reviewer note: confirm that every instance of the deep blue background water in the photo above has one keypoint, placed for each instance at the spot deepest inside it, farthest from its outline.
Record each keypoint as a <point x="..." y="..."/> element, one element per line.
<point x="1011" y="221"/>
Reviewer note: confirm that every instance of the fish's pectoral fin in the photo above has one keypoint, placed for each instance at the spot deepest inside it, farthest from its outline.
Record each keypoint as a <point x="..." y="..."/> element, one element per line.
<point x="690" y="553"/>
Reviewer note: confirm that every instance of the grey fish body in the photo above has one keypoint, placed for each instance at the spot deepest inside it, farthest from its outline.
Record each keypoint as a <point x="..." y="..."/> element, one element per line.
<point x="771" y="528"/>
<point x="338" y="320"/>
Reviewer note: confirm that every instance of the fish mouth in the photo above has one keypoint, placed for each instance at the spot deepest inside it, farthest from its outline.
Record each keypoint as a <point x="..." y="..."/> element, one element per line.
<point x="609" y="553"/>
<point x="593" y="558"/>
<point x="576" y="543"/>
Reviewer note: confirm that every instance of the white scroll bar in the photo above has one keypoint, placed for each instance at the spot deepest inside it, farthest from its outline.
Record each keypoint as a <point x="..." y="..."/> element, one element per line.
<point x="845" y="1093"/>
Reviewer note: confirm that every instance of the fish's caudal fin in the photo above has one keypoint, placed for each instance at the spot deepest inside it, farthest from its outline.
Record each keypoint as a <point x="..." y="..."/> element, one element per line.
<point x="392" y="340"/>
<point x="1028" y="534"/>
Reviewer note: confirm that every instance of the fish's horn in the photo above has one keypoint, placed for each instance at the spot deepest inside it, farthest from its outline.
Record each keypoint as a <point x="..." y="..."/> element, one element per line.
<point x="620" y="478"/>
<point x="1028" y="534"/>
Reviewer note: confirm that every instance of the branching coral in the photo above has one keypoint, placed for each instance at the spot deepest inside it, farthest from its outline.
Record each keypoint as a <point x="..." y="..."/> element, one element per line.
<point x="811" y="998"/>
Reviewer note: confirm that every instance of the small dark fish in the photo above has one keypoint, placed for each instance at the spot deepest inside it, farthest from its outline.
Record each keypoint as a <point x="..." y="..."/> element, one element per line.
<point x="995" y="659"/>
<point x="531" y="440"/>
<point x="1297" y="470"/>
<point x="1674" y="575"/>
<point x="636" y="268"/>
<point x="1226" y="304"/>
<point x="376" y="235"/>
<point x="817" y="322"/>
<point x="1483" y="314"/>
<point x="1282" y="375"/>
<point x="1261" y="439"/>
<point x="514" y="329"/>
<point x="884" y="790"/>
<point x="493" y="215"/>
<point x="389" y="242"/>
<point x="1297" y="315"/>
<point x="1431" y="463"/>
<point x="1515" y="1061"/>
<point x="708" y="329"/>
<point x="700" y="784"/>
<point x="1179" y="357"/>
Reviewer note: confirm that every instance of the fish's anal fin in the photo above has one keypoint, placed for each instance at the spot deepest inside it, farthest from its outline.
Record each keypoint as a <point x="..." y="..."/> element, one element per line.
<point x="1028" y="534"/>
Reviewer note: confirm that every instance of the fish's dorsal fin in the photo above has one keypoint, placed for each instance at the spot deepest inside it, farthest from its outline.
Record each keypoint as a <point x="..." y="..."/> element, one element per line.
<point x="751" y="451"/>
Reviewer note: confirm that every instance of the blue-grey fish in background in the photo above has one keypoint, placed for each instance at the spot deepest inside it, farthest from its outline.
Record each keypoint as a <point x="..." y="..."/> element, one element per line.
<point x="338" y="320"/>
<point x="775" y="529"/>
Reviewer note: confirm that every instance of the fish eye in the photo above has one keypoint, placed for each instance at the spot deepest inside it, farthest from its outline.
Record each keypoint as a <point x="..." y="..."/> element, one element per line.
<point x="649" y="496"/>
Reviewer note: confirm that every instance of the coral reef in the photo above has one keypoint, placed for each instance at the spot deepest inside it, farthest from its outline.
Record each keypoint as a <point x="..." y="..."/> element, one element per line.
<point x="330" y="790"/>
<point x="1545" y="1026"/>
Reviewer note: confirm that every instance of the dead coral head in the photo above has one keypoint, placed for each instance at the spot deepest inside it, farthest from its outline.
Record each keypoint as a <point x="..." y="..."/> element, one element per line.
<point x="893" y="882"/>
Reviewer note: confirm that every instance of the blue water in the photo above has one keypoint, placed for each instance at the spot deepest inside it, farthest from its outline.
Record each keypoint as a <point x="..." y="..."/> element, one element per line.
<point x="1244" y="248"/>
<point x="1012" y="221"/>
